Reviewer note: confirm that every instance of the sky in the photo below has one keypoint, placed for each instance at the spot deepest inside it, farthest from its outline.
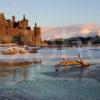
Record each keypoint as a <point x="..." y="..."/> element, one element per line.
<point x="53" y="13"/>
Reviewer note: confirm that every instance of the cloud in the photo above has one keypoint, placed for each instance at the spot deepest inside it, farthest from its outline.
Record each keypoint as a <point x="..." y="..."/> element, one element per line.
<point x="70" y="31"/>
<point x="85" y="31"/>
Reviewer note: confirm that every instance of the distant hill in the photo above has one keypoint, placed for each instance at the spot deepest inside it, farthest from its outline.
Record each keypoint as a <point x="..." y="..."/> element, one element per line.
<point x="75" y="41"/>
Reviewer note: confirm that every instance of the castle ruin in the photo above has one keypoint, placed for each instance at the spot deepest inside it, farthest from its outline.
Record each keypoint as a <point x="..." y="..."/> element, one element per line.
<point x="13" y="28"/>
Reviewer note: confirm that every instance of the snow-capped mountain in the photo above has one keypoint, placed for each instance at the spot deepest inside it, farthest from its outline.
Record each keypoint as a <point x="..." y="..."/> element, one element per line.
<point x="85" y="30"/>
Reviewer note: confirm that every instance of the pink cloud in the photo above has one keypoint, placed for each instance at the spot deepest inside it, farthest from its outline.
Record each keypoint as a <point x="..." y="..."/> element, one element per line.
<point x="70" y="31"/>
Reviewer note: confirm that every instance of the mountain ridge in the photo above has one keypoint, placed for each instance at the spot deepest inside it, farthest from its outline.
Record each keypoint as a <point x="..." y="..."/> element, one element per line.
<point x="75" y="41"/>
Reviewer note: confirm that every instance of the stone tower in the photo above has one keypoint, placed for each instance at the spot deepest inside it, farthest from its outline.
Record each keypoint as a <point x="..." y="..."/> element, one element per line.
<point x="37" y="34"/>
<point x="2" y="20"/>
<point x="13" y="19"/>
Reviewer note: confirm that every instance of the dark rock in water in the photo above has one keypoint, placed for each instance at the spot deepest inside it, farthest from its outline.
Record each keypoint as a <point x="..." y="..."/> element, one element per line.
<point x="33" y="51"/>
<point x="26" y="48"/>
<point x="37" y="61"/>
<point x="56" y="70"/>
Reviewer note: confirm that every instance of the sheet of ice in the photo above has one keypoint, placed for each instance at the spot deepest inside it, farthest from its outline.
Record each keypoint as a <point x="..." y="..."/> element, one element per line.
<point x="41" y="82"/>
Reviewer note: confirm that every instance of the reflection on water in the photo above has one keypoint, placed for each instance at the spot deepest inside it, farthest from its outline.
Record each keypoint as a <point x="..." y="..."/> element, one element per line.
<point x="40" y="81"/>
<point x="13" y="74"/>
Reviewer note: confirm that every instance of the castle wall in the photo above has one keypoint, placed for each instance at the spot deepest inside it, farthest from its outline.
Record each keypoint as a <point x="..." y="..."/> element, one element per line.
<point x="12" y="28"/>
<point x="15" y="31"/>
<point x="2" y="32"/>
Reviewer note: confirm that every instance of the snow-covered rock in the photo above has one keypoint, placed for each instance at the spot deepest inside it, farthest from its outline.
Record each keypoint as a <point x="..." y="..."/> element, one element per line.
<point x="13" y="50"/>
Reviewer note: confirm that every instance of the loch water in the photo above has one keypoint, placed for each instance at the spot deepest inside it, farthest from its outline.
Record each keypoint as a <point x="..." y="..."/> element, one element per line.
<point x="40" y="81"/>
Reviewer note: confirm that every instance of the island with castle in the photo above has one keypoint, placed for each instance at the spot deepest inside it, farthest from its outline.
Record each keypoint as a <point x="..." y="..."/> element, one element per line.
<point x="19" y="32"/>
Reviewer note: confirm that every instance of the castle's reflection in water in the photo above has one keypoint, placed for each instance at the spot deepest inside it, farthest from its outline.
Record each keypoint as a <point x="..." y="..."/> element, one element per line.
<point x="13" y="73"/>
